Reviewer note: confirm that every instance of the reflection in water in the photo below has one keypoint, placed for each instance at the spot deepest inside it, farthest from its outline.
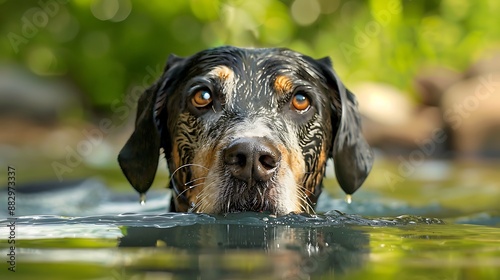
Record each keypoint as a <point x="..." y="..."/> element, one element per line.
<point x="220" y="250"/>
<point x="250" y="246"/>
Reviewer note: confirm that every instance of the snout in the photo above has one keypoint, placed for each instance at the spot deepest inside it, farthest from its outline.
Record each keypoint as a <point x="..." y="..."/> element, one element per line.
<point x="252" y="159"/>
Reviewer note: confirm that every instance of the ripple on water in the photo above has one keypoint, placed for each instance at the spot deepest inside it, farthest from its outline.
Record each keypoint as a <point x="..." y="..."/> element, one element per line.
<point x="169" y="220"/>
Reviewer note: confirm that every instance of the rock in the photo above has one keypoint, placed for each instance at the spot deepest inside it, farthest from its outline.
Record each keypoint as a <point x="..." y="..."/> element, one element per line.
<point x="471" y="111"/>
<point x="41" y="100"/>
<point x="392" y="122"/>
<point x="433" y="82"/>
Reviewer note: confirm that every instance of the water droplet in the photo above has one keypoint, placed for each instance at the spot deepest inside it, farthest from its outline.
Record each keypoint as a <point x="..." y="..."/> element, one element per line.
<point x="348" y="199"/>
<point x="142" y="199"/>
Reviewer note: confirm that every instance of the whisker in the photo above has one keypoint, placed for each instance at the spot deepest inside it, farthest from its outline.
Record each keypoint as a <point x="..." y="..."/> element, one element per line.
<point x="190" y="187"/>
<point x="194" y="180"/>
<point x="304" y="189"/>
<point x="196" y="185"/>
<point x="187" y="165"/>
<point x="261" y="195"/>
<point x="301" y="195"/>
<point x="228" y="204"/>
<point x="302" y="198"/>
<point x="201" y="198"/>
<point x="303" y="207"/>
<point x="178" y="169"/>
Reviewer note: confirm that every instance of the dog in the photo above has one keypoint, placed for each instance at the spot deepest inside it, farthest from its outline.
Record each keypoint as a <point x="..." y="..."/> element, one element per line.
<point x="247" y="130"/>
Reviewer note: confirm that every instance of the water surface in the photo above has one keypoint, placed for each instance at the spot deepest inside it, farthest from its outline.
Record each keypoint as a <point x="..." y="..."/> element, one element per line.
<point x="444" y="226"/>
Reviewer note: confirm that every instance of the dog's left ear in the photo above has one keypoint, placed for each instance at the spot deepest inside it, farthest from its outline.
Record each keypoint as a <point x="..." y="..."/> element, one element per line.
<point x="352" y="156"/>
<point x="139" y="157"/>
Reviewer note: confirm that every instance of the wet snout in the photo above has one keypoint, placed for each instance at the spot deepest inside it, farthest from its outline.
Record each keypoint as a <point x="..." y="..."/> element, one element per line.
<point x="252" y="159"/>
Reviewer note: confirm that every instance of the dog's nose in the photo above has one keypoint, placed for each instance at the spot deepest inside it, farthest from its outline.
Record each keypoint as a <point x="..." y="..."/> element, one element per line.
<point x="253" y="158"/>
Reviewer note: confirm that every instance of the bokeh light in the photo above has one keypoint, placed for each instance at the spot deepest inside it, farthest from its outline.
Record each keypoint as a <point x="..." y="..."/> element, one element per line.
<point x="305" y="12"/>
<point x="112" y="10"/>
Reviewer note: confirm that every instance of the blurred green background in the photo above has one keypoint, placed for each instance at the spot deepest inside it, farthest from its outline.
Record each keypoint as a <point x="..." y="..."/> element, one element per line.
<point x="426" y="74"/>
<point x="104" y="47"/>
<point x="68" y="66"/>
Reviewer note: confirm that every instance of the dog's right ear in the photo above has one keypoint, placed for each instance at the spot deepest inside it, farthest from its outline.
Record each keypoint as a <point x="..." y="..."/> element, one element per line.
<point x="139" y="157"/>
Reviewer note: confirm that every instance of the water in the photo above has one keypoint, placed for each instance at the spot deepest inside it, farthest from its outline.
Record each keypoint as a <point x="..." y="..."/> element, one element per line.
<point x="441" y="228"/>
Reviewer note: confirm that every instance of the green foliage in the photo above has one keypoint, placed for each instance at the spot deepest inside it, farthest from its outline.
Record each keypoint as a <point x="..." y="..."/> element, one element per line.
<point x="106" y="47"/>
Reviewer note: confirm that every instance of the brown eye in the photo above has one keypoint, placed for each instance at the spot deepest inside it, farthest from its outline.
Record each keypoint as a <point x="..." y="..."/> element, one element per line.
<point x="202" y="98"/>
<point x="301" y="102"/>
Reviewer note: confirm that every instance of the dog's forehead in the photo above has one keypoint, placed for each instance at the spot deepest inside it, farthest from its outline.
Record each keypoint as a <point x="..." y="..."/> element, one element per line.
<point x="255" y="72"/>
<point x="254" y="63"/>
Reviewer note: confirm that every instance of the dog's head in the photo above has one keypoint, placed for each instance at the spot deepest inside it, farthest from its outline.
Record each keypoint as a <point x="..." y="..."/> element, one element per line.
<point x="247" y="130"/>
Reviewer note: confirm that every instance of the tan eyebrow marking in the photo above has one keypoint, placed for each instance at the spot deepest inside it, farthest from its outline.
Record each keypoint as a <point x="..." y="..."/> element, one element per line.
<point x="227" y="78"/>
<point x="283" y="84"/>
<point x="223" y="72"/>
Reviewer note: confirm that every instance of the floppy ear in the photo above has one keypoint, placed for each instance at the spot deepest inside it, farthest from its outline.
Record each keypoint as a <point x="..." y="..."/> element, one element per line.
<point x="352" y="156"/>
<point x="139" y="157"/>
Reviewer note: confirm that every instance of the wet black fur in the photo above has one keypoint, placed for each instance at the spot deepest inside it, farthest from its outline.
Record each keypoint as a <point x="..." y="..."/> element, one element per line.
<point x="333" y="119"/>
